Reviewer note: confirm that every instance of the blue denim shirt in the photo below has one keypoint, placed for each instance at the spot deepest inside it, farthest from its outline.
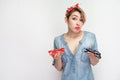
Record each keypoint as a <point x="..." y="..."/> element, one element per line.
<point x="77" y="66"/>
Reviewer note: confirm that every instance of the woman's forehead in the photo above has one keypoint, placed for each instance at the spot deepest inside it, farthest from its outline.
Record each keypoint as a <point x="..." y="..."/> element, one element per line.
<point x="76" y="14"/>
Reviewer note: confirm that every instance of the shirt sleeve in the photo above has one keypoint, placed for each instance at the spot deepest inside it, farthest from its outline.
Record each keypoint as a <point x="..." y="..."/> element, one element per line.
<point x="95" y="47"/>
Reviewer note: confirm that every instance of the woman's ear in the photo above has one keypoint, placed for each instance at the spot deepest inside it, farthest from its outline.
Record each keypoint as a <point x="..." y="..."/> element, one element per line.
<point x="66" y="21"/>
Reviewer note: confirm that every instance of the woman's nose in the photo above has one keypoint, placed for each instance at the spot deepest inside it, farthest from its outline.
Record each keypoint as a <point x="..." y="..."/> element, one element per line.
<point x="78" y="23"/>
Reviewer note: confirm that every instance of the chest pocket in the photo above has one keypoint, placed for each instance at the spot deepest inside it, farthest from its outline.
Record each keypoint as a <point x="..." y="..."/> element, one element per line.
<point x="84" y="57"/>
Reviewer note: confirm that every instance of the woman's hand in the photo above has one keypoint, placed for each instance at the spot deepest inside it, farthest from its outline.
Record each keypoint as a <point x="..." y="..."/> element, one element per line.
<point x="57" y="55"/>
<point x="56" y="51"/>
<point x="93" y="59"/>
<point x="58" y="61"/>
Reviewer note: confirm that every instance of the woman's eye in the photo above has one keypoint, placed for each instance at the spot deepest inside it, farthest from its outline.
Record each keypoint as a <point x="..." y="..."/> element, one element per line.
<point x="74" y="18"/>
<point x="81" y="20"/>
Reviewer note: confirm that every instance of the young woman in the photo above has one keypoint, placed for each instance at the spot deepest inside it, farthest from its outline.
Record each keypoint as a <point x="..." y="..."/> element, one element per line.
<point x="75" y="62"/>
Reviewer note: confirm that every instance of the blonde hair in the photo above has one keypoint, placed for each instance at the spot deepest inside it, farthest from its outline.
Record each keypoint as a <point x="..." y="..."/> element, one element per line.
<point x="68" y="13"/>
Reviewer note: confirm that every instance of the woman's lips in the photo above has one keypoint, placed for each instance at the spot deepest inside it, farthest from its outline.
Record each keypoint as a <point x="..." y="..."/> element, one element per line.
<point x="77" y="28"/>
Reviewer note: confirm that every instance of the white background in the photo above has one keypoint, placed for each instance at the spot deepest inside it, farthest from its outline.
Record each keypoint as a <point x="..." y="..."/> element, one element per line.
<point x="28" y="27"/>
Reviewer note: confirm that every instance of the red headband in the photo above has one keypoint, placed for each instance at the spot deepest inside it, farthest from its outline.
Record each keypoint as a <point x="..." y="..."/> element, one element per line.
<point x="71" y="7"/>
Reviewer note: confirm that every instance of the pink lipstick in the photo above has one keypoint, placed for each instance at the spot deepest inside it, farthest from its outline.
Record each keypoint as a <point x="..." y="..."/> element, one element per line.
<point x="77" y="28"/>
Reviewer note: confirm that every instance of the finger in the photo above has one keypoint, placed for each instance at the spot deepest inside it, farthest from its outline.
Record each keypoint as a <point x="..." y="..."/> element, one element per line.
<point x="55" y="55"/>
<point x="90" y="52"/>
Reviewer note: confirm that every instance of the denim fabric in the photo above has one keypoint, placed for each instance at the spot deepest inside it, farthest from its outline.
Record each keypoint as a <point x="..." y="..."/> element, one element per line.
<point x="77" y="66"/>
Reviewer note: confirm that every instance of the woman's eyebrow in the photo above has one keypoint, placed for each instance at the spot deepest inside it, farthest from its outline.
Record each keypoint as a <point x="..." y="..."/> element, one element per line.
<point x="75" y="15"/>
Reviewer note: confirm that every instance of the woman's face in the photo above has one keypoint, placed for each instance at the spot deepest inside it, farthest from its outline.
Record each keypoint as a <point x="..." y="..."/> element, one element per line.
<point x="75" y="22"/>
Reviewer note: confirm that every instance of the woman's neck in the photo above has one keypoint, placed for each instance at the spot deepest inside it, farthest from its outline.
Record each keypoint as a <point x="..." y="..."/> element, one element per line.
<point x="74" y="35"/>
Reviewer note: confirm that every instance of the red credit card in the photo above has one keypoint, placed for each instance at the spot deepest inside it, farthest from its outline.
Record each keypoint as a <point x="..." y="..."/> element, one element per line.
<point x="54" y="51"/>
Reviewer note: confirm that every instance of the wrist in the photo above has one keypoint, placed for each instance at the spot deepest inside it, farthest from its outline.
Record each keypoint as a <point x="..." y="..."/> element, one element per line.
<point x="57" y="59"/>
